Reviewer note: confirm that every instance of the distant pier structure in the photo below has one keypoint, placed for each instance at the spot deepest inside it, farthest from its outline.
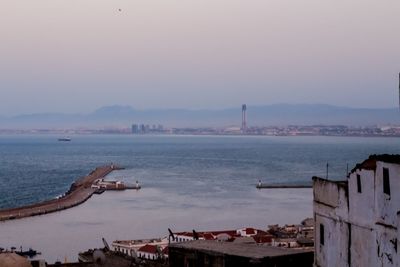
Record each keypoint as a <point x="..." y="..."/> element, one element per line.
<point x="244" y="118"/>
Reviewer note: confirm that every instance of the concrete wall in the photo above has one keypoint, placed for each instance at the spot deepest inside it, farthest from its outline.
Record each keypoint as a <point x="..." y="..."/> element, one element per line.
<point x="332" y="197"/>
<point x="362" y="247"/>
<point x="362" y="205"/>
<point x="334" y="251"/>
<point x="386" y="244"/>
<point x="398" y="238"/>
<point x="331" y="210"/>
<point x="387" y="206"/>
<point x="361" y="228"/>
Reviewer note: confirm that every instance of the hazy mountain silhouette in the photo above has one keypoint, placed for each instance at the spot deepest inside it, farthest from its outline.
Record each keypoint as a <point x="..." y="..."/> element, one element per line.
<point x="278" y="114"/>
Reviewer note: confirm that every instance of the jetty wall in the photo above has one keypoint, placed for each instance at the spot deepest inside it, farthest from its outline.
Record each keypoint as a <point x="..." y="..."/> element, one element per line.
<point x="79" y="192"/>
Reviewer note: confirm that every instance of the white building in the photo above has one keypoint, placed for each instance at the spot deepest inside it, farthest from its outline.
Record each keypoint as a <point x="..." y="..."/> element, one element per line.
<point x="217" y="235"/>
<point x="148" y="252"/>
<point x="357" y="220"/>
<point x="131" y="247"/>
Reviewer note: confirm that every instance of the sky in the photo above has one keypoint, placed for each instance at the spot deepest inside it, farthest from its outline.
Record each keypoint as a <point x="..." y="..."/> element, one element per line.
<point x="75" y="56"/>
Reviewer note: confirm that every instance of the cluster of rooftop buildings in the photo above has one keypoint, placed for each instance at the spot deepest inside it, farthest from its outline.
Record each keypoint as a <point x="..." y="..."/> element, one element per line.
<point x="288" y="236"/>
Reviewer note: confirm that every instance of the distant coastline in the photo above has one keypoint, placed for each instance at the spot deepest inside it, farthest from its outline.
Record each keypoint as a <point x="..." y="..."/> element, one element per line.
<point x="117" y="116"/>
<point x="291" y="130"/>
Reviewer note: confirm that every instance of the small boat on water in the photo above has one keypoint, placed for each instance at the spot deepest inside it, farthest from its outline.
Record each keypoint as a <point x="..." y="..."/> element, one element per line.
<point x="64" y="139"/>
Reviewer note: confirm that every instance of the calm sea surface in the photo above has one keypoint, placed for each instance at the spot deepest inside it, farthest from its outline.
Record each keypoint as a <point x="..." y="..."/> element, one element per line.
<point x="189" y="182"/>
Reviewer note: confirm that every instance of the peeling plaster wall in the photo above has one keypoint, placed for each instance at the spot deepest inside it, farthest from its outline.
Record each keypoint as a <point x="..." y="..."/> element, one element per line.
<point x="387" y="206"/>
<point x="332" y="195"/>
<point x="386" y="247"/>
<point x="362" y="205"/>
<point x="362" y="248"/>
<point x="398" y="238"/>
<point x="334" y="251"/>
<point x="331" y="210"/>
<point x="361" y="229"/>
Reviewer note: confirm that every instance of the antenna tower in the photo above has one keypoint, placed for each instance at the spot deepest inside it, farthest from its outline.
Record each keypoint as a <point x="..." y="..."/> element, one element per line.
<point x="244" y="122"/>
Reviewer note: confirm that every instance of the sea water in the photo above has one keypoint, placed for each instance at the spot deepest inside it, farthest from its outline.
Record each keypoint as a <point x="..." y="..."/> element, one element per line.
<point x="188" y="182"/>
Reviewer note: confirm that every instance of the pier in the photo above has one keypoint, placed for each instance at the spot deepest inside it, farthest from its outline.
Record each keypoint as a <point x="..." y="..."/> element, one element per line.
<point x="283" y="186"/>
<point x="270" y="186"/>
<point x="80" y="191"/>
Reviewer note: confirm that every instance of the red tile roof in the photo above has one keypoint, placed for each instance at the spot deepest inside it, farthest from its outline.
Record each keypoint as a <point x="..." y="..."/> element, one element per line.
<point x="213" y="234"/>
<point x="228" y="232"/>
<point x="148" y="249"/>
<point x="250" y="231"/>
<point x="208" y="236"/>
<point x="263" y="238"/>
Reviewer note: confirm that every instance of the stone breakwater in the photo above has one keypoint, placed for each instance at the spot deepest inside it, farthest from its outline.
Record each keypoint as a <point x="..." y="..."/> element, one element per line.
<point x="80" y="191"/>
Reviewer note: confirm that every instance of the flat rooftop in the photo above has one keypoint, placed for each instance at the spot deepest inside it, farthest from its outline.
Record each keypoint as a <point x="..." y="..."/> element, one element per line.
<point x="238" y="249"/>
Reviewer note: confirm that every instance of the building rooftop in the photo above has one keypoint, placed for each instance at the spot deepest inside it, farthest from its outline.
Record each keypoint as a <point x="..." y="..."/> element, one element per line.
<point x="250" y="231"/>
<point x="370" y="163"/>
<point x="10" y="259"/>
<point x="149" y="249"/>
<point x="137" y="242"/>
<point x="238" y="249"/>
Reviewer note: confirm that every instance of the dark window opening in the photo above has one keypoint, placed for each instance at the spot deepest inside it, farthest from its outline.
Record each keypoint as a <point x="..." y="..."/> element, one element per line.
<point x="321" y="234"/>
<point x="386" y="181"/>
<point x="358" y="183"/>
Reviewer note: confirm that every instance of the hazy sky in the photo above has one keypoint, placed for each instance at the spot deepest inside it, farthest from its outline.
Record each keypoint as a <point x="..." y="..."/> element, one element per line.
<point x="75" y="56"/>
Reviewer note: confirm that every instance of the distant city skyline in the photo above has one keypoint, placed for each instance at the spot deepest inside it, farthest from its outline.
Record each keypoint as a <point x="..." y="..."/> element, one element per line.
<point x="58" y="56"/>
<point x="273" y="115"/>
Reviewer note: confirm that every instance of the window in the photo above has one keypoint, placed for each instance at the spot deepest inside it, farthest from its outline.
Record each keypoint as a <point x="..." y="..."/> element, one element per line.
<point x="321" y="234"/>
<point x="386" y="181"/>
<point x="358" y="183"/>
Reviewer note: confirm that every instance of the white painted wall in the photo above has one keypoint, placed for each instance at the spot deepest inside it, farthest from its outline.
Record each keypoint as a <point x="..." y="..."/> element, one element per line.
<point x="370" y="222"/>
<point x="334" y="251"/>
<point x="387" y="206"/>
<point x="331" y="210"/>
<point x="363" y="247"/>
<point x="386" y="239"/>
<point x="362" y="205"/>
<point x="146" y="255"/>
<point x="182" y="238"/>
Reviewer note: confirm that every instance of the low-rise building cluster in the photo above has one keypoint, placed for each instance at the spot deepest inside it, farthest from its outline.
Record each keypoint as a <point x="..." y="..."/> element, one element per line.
<point x="288" y="236"/>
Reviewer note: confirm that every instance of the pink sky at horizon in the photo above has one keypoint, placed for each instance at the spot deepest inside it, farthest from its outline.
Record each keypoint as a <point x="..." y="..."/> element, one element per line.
<point x="75" y="56"/>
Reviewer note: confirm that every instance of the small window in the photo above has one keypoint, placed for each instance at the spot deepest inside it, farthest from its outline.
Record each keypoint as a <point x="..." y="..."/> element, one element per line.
<point x="321" y="234"/>
<point x="386" y="181"/>
<point x="358" y="183"/>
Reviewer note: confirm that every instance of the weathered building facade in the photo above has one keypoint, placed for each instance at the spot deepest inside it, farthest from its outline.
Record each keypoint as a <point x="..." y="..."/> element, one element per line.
<point x="357" y="220"/>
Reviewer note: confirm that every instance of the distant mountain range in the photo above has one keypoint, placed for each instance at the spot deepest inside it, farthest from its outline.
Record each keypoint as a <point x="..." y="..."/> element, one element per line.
<point x="278" y="114"/>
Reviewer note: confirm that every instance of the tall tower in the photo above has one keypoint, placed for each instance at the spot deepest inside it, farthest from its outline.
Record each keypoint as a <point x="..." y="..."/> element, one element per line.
<point x="244" y="122"/>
